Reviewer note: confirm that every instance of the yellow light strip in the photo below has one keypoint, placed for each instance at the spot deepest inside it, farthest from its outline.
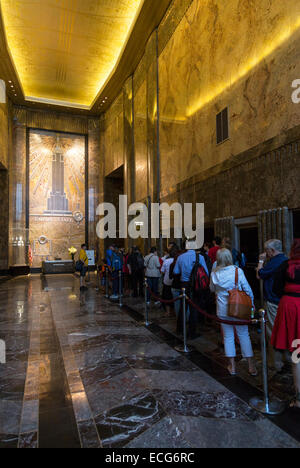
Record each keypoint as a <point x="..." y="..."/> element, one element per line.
<point x="100" y="77"/>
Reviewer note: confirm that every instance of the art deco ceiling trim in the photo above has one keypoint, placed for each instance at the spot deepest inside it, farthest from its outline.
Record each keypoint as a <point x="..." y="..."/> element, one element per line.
<point x="148" y="14"/>
<point x="65" y="51"/>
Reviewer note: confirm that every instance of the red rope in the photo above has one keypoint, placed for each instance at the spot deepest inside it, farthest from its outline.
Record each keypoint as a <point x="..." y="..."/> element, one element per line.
<point x="217" y="319"/>
<point x="163" y="301"/>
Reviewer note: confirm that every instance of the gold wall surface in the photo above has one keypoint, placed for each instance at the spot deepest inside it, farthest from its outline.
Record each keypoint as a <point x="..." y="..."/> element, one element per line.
<point x="207" y="55"/>
<point x="236" y="54"/>
<point x="114" y="136"/>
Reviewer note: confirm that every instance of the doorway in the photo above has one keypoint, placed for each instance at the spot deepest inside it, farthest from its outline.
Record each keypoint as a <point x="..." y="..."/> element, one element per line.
<point x="247" y="242"/>
<point x="113" y="188"/>
<point x="296" y="223"/>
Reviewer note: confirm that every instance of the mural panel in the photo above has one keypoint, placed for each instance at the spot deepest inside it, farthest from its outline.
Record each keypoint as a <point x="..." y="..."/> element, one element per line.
<point x="57" y="194"/>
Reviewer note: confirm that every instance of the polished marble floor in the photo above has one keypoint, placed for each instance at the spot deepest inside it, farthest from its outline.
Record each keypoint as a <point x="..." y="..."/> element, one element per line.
<point x="81" y="372"/>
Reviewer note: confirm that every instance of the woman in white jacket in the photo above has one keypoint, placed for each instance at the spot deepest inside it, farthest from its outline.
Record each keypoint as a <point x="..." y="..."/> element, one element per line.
<point x="223" y="281"/>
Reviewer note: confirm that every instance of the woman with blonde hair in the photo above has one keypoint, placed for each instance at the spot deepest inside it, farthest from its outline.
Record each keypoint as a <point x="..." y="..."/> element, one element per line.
<point x="223" y="281"/>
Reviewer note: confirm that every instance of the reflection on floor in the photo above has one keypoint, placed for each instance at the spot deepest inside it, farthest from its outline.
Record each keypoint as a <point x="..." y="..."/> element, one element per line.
<point x="81" y="372"/>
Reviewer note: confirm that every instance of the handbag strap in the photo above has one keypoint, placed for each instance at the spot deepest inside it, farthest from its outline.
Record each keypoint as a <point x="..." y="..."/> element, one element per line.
<point x="236" y="278"/>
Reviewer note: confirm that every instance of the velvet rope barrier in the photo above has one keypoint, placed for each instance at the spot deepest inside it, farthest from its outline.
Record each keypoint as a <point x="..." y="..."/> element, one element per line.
<point x="218" y="320"/>
<point x="163" y="301"/>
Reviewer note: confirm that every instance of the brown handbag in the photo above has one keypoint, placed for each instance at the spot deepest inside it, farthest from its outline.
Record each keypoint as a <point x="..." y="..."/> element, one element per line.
<point x="240" y="303"/>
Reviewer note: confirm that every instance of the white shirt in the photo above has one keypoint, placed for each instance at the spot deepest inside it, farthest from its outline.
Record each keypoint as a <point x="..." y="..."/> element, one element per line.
<point x="222" y="281"/>
<point x="152" y="265"/>
<point x="166" y="271"/>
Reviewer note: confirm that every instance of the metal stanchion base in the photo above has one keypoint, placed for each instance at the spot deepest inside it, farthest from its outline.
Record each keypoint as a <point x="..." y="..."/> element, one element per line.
<point x="273" y="408"/>
<point x="183" y="349"/>
<point x="146" y="324"/>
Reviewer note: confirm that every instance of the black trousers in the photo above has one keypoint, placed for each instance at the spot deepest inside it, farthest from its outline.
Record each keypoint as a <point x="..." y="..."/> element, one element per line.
<point x="137" y="282"/>
<point x="194" y="318"/>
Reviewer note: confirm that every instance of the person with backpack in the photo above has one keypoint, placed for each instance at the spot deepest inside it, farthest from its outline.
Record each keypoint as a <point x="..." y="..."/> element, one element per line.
<point x="152" y="272"/>
<point x="116" y="264"/>
<point x="136" y="268"/>
<point x="200" y="284"/>
<point x="167" y="281"/>
<point x="84" y="264"/>
<point x="184" y="266"/>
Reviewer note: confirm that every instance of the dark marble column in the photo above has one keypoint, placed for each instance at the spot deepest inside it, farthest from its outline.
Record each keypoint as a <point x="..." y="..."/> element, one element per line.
<point x="93" y="180"/>
<point x="129" y="156"/>
<point x="101" y="160"/>
<point x="18" y="235"/>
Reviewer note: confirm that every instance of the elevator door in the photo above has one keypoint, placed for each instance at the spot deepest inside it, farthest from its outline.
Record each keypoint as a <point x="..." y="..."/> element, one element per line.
<point x="296" y="222"/>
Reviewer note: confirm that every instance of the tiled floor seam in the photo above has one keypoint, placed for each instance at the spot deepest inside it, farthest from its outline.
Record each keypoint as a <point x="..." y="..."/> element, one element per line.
<point x="30" y="410"/>
<point x="170" y="416"/>
<point x="71" y="368"/>
<point x="134" y="312"/>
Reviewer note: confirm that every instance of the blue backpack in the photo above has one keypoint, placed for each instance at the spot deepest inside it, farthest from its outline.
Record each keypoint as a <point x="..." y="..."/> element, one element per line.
<point x="116" y="262"/>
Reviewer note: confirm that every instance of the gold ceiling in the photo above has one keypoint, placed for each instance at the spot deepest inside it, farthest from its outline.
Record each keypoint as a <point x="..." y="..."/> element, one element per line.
<point x="65" y="51"/>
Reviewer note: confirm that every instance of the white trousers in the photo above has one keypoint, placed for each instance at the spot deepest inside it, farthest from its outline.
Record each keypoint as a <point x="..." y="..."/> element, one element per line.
<point x="244" y="338"/>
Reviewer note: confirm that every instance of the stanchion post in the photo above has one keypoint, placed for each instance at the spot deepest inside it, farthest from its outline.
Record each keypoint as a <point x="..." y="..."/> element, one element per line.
<point x="98" y="279"/>
<point x="106" y="283"/>
<point x="184" y="348"/>
<point x="120" y="289"/>
<point x="146" y="323"/>
<point x="266" y="406"/>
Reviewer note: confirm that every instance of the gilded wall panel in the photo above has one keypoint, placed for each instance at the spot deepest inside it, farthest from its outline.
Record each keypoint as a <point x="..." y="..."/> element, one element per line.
<point x="140" y="141"/>
<point x="234" y="54"/>
<point x="114" y="136"/>
<point x="95" y="172"/>
<point x="57" y="121"/>
<point x="4" y="135"/>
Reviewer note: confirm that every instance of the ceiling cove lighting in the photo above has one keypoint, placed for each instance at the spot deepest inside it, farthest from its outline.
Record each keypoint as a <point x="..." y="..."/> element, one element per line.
<point x="66" y="51"/>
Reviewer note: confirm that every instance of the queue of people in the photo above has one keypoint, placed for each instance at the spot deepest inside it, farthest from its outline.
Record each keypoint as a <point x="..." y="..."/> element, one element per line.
<point x="209" y="276"/>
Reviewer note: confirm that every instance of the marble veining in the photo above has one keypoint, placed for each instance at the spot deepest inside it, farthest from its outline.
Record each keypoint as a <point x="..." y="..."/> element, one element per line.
<point x="83" y="380"/>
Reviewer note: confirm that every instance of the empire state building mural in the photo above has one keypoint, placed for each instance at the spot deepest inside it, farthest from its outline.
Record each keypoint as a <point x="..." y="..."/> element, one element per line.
<point x="58" y="202"/>
<point x="57" y="194"/>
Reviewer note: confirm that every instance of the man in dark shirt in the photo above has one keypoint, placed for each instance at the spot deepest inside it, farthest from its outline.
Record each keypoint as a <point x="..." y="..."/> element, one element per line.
<point x="269" y="263"/>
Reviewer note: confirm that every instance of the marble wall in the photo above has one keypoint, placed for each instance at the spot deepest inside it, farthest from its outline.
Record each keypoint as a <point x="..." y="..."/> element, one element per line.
<point x="207" y="55"/>
<point x="114" y="136"/>
<point x="140" y="141"/>
<point x="237" y="54"/>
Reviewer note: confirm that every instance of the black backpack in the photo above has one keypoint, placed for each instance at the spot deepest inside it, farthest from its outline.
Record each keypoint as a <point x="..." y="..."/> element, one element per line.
<point x="137" y="262"/>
